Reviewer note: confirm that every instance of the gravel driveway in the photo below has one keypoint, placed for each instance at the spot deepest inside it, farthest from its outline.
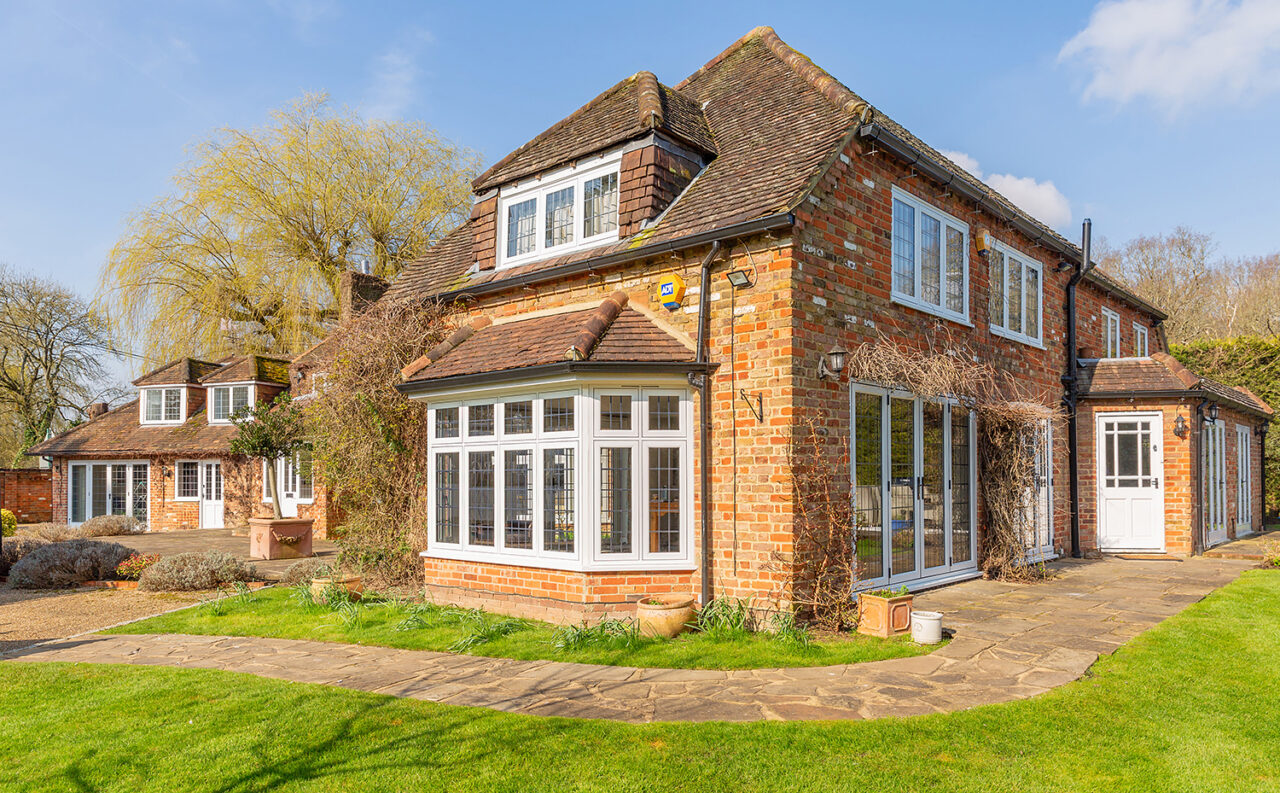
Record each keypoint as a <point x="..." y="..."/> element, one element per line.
<point x="31" y="616"/>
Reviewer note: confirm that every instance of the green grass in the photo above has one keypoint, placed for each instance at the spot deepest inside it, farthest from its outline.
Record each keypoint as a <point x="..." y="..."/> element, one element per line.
<point x="275" y="613"/>
<point x="1188" y="706"/>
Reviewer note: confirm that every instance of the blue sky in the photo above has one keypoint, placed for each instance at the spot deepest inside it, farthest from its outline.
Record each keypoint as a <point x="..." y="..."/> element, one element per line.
<point x="1143" y="114"/>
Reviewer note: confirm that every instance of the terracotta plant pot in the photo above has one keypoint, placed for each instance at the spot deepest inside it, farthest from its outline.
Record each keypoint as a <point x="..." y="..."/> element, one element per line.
<point x="279" y="539"/>
<point x="664" y="615"/>
<point x="351" y="583"/>
<point x="884" y="616"/>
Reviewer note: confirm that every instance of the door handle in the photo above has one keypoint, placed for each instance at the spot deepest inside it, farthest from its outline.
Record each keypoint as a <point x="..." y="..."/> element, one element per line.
<point x="1155" y="481"/>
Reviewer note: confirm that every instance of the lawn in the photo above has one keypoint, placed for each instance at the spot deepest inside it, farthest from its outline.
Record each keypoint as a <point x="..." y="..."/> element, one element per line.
<point x="1188" y="706"/>
<point x="276" y="613"/>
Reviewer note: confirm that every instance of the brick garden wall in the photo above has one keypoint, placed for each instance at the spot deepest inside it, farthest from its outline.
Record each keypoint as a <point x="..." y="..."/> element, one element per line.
<point x="27" y="493"/>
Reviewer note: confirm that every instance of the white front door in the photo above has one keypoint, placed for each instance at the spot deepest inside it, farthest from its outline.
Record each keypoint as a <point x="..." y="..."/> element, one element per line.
<point x="1130" y="482"/>
<point x="211" y="511"/>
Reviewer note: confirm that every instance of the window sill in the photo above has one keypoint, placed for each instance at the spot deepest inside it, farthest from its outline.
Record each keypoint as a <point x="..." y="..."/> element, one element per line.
<point x="926" y="308"/>
<point x="567" y="564"/>
<point x="547" y="254"/>
<point x="1011" y="336"/>
<point x="185" y="499"/>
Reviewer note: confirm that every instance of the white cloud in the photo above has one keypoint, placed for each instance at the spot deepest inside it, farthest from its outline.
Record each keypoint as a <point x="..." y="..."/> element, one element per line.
<point x="395" y="77"/>
<point x="1042" y="200"/>
<point x="1177" y="53"/>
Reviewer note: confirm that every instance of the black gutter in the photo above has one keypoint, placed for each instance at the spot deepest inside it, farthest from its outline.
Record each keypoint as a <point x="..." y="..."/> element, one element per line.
<point x="767" y="223"/>
<point x="1197" y="496"/>
<point x="421" y="387"/>
<point x="1071" y="398"/>
<point x="704" y="430"/>
<point x="1207" y="396"/>
<point x="924" y="163"/>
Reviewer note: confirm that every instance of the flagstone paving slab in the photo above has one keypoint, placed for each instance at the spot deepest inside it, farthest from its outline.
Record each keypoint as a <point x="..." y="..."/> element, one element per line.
<point x="1011" y="641"/>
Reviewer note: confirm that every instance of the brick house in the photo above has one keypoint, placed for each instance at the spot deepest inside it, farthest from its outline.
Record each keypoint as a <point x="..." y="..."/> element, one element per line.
<point x="651" y="289"/>
<point x="165" y="457"/>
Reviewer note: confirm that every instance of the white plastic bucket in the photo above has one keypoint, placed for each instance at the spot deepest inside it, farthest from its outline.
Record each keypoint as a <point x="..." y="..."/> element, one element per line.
<point x="926" y="627"/>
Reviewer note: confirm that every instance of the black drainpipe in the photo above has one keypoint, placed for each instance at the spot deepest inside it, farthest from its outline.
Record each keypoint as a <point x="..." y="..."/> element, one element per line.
<point x="1197" y="496"/>
<point x="704" y="387"/>
<point x="1071" y="381"/>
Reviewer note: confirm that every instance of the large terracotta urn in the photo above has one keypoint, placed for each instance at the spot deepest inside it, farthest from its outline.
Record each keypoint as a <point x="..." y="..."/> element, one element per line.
<point x="289" y="538"/>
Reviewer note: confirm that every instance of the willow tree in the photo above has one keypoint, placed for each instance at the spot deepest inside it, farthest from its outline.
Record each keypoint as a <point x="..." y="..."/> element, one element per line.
<point x="245" y="253"/>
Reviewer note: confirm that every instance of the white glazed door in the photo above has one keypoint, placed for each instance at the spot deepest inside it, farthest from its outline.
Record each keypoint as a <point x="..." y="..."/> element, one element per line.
<point x="211" y="504"/>
<point x="1130" y="482"/>
<point x="1244" y="480"/>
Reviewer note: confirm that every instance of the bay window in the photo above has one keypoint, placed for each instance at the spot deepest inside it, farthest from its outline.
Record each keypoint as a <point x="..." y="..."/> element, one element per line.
<point x="535" y="469"/>
<point x="930" y="258"/>
<point x="1017" y="295"/>
<point x="568" y="210"/>
<point x="164" y="405"/>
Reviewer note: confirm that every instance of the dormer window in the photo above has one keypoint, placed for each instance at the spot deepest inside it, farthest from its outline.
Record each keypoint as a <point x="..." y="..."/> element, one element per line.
<point x="565" y="211"/>
<point x="164" y="405"/>
<point x="227" y="400"/>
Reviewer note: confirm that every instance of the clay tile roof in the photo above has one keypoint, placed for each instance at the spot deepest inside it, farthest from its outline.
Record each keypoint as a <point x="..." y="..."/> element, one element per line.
<point x="255" y="368"/>
<point x="1161" y="373"/>
<point x="117" y="433"/>
<point x="633" y="107"/>
<point x="179" y="372"/>
<point x="611" y="332"/>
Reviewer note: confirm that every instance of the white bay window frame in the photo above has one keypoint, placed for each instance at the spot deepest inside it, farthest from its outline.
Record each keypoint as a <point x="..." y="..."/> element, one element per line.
<point x="586" y="442"/>
<point x="915" y="298"/>
<point x="230" y="389"/>
<point x="162" y="393"/>
<point x="537" y="190"/>
<point x="1000" y="320"/>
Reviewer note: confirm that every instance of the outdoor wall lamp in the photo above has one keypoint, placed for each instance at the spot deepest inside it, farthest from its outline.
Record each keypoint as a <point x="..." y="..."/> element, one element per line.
<point x="832" y="364"/>
<point x="1180" y="426"/>
<point x="1212" y="411"/>
<point x="1262" y="430"/>
<point x="739" y="279"/>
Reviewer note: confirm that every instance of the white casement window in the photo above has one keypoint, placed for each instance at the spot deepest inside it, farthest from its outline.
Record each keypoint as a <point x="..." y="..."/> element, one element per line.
<point x="295" y="477"/>
<point x="1140" y="348"/>
<point x="227" y="400"/>
<point x="568" y="210"/>
<point x="1111" y="343"/>
<point x="930" y="258"/>
<point x="187" y="480"/>
<point x="585" y="478"/>
<point x="1017" y="295"/>
<point x="108" y="488"/>
<point x="164" y="405"/>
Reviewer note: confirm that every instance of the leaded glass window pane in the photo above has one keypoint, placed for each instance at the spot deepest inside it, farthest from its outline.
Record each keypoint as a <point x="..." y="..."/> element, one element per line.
<point x="1015" y="294"/>
<point x="600" y="205"/>
<point x="188" y="480"/>
<point x="447" y="423"/>
<point x="78" y="483"/>
<point x="517" y="498"/>
<point x="447" y="497"/>
<point x="221" y="404"/>
<point x="930" y="260"/>
<point x="955" y="270"/>
<point x="615" y="500"/>
<point x="239" y="399"/>
<point x="904" y="248"/>
<point x="521" y="227"/>
<point x="1032" y="326"/>
<point x="997" y="289"/>
<point x="615" y="412"/>
<point x="557" y="414"/>
<point x="139" y="505"/>
<point x="559" y="217"/>
<point x="664" y="413"/>
<point x="480" y="497"/>
<point x="173" y="404"/>
<point x="119" y="489"/>
<point x="517" y="417"/>
<point x="479" y="420"/>
<point x="664" y="500"/>
<point x="558" y="513"/>
<point x="961" y="486"/>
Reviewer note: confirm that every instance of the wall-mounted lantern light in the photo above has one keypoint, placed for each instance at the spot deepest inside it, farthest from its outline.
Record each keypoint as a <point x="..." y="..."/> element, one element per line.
<point x="832" y="364"/>
<point x="1262" y="430"/>
<point x="739" y="279"/>
<point x="1180" y="426"/>
<point x="1213" y="411"/>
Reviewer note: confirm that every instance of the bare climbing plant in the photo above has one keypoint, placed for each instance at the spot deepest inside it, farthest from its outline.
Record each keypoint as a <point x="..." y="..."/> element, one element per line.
<point x="371" y="441"/>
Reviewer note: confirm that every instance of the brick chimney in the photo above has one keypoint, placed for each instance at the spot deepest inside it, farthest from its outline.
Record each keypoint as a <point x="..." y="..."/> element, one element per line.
<point x="356" y="291"/>
<point x="97" y="410"/>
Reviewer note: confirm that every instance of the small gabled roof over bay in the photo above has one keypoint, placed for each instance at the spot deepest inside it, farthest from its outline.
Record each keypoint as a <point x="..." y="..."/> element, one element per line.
<point x="251" y="368"/>
<point x="1161" y="375"/>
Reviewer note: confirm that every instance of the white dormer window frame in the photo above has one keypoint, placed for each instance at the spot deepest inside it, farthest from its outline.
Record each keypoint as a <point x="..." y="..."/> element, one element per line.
<point x="223" y="403"/>
<point x="1111" y="334"/>
<point x="160" y="398"/>
<point x="1141" y="344"/>
<point x="544" y="194"/>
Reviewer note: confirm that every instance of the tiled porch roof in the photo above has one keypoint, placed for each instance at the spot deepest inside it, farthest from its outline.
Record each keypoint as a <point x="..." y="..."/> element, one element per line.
<point x="1160" y="374"/>
<point x="611" y="332"/>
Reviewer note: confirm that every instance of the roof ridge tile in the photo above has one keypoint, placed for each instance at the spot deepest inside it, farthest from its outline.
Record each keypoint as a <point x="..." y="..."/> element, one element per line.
<point x="597" y="324"/>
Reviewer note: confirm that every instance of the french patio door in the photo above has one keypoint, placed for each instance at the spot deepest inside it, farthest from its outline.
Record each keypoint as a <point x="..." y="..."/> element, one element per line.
<point x="1213" y="437"/>
<point x="1039" y="540"/>
<point x="211" y="503"/>
<point x="108" y="488"/>
<point x="1244" y="480"/>
<point x="912" y="472"/>
<point x="1130" y="482"/>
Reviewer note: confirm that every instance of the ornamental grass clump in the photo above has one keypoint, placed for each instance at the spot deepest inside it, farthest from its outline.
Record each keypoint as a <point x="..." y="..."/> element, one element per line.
<point x="194" y="571"/>
<point x="62" y="565"/>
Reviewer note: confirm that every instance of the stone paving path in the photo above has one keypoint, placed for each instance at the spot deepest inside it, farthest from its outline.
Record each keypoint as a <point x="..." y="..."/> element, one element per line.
<point x="1256" y="546"/>
<point x="1011" y="641"/>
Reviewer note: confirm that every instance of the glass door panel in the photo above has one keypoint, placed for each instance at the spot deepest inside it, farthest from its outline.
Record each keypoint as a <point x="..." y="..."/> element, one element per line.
<point x="868" y="484"/>
<point x="902" y="485"/>
<point x="961" y="487"/>
<point x="933" y="502"/>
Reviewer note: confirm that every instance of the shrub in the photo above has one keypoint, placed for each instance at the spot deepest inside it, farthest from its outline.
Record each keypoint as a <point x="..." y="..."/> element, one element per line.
<point x="60" y="565"/>
<point x="17" y="548"/>
<point x="186" y="572"/>
<point x="304" y="570"/>
<point x="131" y="569"/>
<point x="110" y="526"/>
<point x="8" y="523"/>
<point x="51" y="532"/>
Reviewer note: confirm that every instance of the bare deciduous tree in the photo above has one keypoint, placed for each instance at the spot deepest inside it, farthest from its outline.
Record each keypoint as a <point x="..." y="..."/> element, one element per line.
<point x="52" y="349"/>
<point x="1174" y="272"/>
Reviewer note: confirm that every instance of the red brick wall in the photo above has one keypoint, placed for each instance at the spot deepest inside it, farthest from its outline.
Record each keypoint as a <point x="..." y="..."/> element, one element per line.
<point x="27" y="493"/>
<point x="1091" y="325"/>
